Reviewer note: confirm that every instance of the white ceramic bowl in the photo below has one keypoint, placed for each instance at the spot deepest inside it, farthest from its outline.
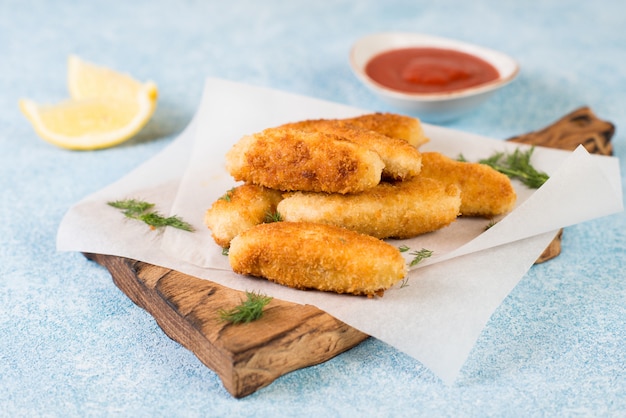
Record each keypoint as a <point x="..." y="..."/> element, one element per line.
<point x="430" y="107"/>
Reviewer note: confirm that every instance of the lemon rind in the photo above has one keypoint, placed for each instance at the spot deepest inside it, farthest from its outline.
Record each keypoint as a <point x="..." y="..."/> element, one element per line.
<point x="146" y="100"/>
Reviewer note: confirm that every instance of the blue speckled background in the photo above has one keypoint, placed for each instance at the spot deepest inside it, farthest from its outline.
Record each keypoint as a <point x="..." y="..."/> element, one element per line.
<point x="71" y="344"/>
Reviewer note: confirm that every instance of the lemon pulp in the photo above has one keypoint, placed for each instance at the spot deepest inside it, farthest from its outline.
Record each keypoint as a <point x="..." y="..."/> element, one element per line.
<point x="106" y="108"/>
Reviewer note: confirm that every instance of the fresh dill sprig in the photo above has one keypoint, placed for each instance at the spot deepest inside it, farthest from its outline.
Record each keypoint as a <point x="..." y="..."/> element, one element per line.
<point x="420" y="255"/>
<point x="143" y="211"/>
<point x="131" y="207"/>
<point x="249" y="310"/>
<point x="228" y="195"/>
<point x="517" y="165"/>
<point x="491" y="223"/>
<point x="155" y="220"/>
<point x="273" y="217"/>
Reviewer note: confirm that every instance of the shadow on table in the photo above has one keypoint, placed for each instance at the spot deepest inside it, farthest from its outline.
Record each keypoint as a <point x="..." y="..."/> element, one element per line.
<point x="167" y="121"/>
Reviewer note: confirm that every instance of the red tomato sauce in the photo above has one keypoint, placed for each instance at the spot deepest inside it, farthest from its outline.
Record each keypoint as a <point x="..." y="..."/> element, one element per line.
<point x="429" y="70"/>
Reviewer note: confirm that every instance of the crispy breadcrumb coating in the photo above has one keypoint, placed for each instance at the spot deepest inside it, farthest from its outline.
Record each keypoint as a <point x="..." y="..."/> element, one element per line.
<point x="323" y="178"/>
<point x="391" y="210"/>
<point x="238" y="210"/>
<point x="290" y="159"/>
<point x="305" y="255"/>
<point x="484" y="191"/>
<point x="401" y="159"/>
<point x="393" y="125"/>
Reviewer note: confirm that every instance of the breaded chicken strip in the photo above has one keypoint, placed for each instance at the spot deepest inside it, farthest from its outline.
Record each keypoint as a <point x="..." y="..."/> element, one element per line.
<point x="240" y="209"/>
<point x="393" y="125"/>
<point x="484" y="191"/>
<point x="401" y="159"/>
<point x="305" y="255"/>
<point x="290" y="159"/>
<point x="391" y="210"/>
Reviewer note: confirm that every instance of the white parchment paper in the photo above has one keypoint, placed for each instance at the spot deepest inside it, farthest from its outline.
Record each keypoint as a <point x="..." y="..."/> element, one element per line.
<point x="438" y="317"/>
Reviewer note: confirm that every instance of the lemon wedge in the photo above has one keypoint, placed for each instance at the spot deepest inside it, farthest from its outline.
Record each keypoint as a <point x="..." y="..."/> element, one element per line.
<point x="106" y="108"/>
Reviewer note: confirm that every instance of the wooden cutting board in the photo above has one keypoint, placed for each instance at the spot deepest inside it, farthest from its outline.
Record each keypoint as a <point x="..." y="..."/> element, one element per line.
<point x="289" y="336"/>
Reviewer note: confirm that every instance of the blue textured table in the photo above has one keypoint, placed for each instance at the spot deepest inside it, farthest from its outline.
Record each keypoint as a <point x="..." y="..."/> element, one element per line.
<point x="72" y="344"/>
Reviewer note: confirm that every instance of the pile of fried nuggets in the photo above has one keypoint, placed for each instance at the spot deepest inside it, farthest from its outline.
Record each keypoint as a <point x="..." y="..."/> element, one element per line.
<point x="339" y="187"/>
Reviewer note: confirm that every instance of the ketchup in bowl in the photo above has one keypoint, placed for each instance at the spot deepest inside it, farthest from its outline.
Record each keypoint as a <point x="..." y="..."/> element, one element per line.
<point x="429" y="70"/>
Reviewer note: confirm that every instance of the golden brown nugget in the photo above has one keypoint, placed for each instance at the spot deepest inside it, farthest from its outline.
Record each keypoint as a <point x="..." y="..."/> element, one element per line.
<point x="401" y="159"/>
<point x="391" y="210"/>
<point x="306" y="255"/>
<point x="290" y="159"/>
<point x="484" y="191"/>
<point x="393" y="125"/>
<point x="240" y="209"/>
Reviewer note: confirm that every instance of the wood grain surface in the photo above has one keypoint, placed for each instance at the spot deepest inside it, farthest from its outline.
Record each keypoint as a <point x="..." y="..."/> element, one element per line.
<point x="289" y="336"/>
<point x="246" y="357"/>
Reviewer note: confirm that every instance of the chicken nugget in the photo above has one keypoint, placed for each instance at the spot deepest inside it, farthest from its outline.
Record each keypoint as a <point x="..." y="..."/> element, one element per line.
<point x="240" y="209"/>
<point x="290" y="159"/>
<point x="484" y="191"/>
<point x="305" y="255"/>
<point x="393" y="125"/>
<point x="401" y="159"/>
<point x="391" y="210"/>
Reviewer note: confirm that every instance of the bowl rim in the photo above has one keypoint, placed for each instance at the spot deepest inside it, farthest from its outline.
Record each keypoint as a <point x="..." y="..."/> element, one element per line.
<point x="370" y="45"/>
